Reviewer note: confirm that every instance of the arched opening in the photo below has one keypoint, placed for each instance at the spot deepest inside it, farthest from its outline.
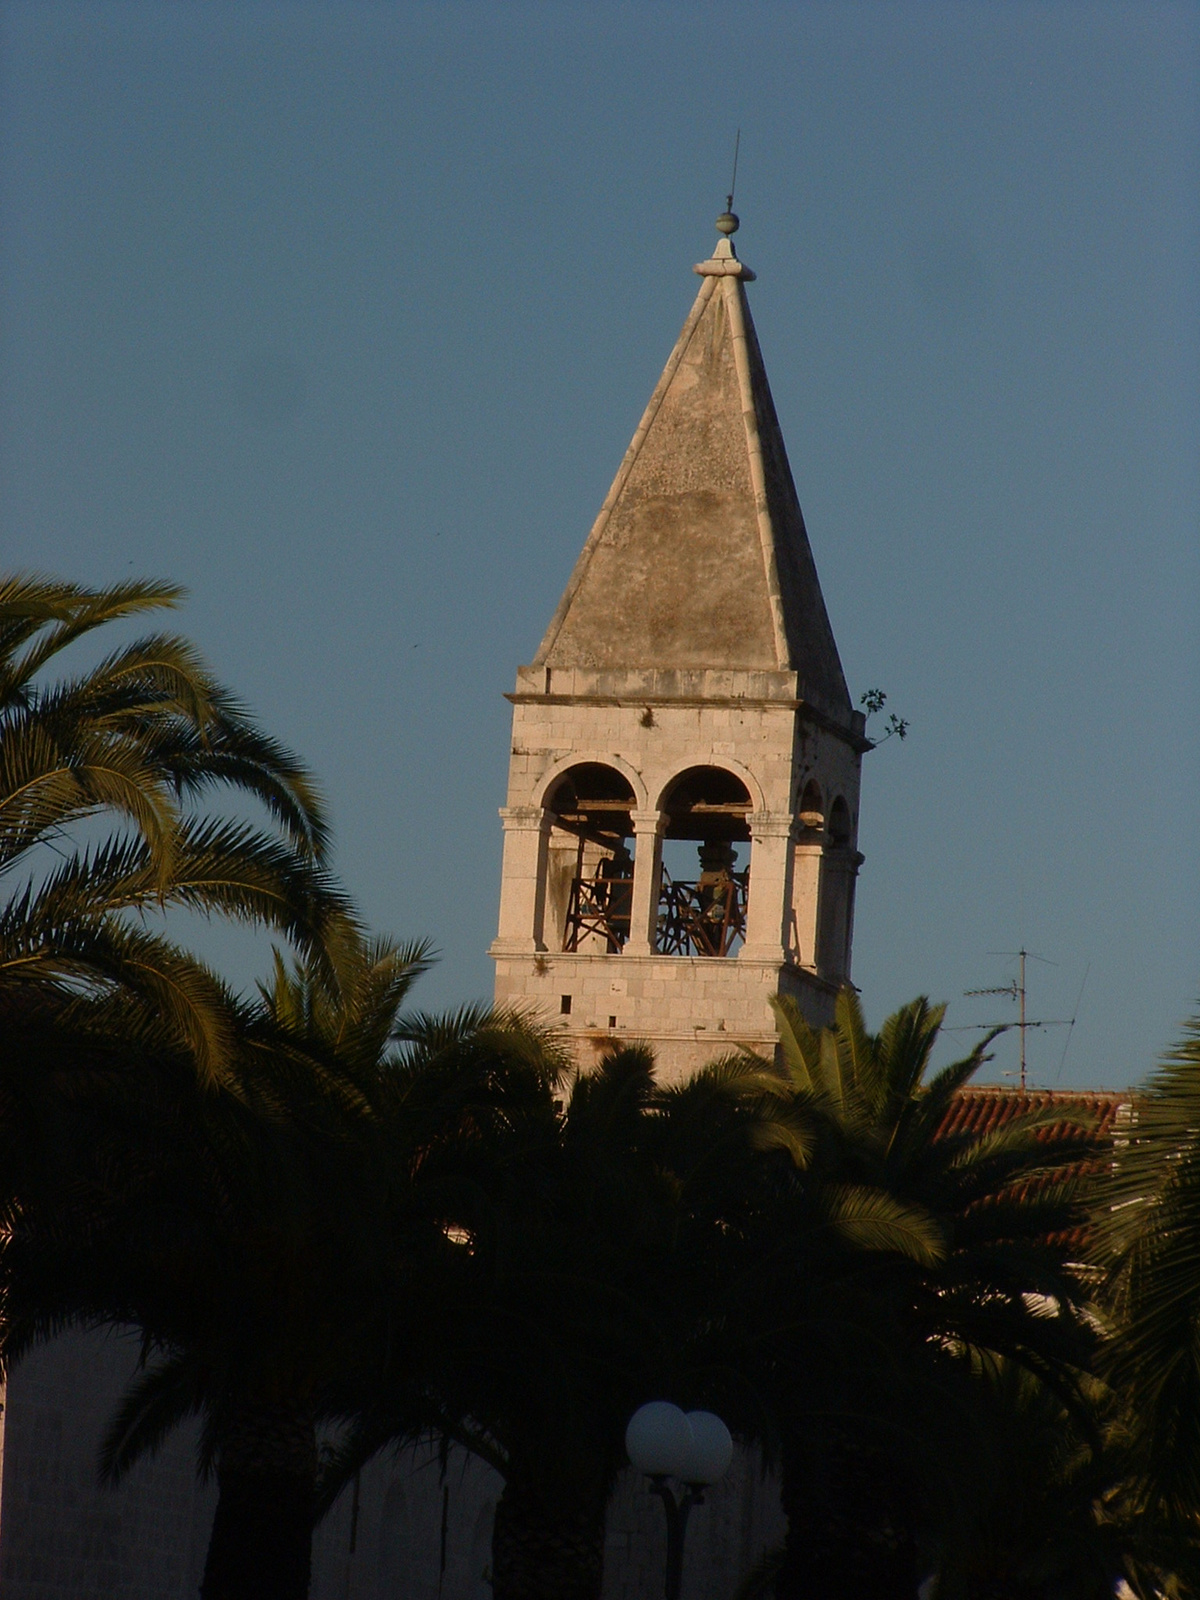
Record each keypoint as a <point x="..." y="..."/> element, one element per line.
<point x="811" y="809"/>
<point x="589" y="879"/>
<point x="706" y="864"/>
<point x="839" y="863"/>
<point x="839" y="822"/>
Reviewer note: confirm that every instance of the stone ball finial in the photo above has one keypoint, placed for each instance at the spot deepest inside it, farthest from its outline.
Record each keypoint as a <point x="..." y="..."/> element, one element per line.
<point x="727" y="223"/>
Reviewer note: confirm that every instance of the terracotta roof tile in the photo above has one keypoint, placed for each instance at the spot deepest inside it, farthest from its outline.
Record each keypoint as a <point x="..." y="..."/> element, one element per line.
<point x="982" y="1109"/>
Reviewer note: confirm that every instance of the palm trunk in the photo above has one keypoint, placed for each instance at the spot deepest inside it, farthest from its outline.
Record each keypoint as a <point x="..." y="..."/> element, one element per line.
<point x="261" y="1542"/>
<point x="548" y="1539"/>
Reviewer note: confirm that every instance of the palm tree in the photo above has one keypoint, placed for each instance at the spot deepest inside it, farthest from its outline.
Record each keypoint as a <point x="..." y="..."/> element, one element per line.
<point x="136" y="741"/>
<point x="118" y="1048"/>
<point x="187" y="1212"/>
<point x="608" y="1226"/>
<point x="582" y="1300"/>
<point x="1038" y="1509"/>
<point x="890" y="1335"/>
<point x="1148" y="1210"/>
<point x="546" y="1340"/>
<point x="559" y="1325"/>
<point x="278" y="1239"/>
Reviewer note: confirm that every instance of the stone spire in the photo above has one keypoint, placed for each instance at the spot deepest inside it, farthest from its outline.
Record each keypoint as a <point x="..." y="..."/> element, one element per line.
<point x="699" y="557"/>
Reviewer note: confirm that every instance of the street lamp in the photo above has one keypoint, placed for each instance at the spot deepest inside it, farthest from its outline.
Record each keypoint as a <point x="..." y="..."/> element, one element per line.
<point x="693" y="1447"/>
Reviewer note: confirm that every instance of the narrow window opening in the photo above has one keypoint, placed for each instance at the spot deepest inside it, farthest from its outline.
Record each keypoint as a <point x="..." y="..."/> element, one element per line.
<point x="839" y="822"/>
<point x="565" y="1005"/>
<point x="612" y="1022"/>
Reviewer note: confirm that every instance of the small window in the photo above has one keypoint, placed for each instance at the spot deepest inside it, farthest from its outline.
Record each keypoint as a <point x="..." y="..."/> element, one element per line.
<point x="612" y="1022"/>
<point x="565" y="1005"/>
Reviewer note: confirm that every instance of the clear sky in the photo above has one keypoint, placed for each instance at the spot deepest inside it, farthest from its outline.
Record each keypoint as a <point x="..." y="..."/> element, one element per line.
<point x="343" y="315"/>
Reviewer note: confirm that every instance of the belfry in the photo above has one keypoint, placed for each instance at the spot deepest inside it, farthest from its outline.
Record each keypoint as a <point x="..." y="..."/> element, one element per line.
<point x="682" y="811"/>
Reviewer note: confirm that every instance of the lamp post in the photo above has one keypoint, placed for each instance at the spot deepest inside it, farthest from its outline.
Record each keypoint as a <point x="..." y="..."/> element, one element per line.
<point x="695" y="1448"/>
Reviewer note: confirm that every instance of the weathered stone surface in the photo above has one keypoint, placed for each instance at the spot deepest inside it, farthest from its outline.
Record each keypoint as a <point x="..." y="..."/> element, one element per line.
<point x="699" y="557"/>
<point x="750" y="723"/>
<point x="692" y="634"/>
<point x="62" y="1535"/>
<point x="66" y="1538"/>
<point x="397" y="1538"/>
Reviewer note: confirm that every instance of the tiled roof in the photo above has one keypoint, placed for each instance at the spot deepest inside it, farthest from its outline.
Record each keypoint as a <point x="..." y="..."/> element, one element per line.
<point x="980" y="1109"/>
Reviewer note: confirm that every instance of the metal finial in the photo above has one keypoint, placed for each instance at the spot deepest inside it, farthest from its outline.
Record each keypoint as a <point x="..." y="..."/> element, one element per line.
<point x="727" y="222"/>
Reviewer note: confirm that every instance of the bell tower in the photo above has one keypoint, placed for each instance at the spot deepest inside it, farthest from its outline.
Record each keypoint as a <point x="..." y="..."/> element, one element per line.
<point x="680" y="830"/>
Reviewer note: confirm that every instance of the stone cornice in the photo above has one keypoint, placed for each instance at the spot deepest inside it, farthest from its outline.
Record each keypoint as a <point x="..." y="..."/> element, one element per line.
<point x="856" y="741"/>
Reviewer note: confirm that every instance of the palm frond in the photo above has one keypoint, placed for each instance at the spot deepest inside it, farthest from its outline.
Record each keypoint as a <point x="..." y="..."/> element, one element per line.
<point x="905" y="1045"/>
<point x="799" y="1043"/>
<point x="159" y="1398"/>
<point x="46" y="785"/>
<point x="856" y="1057"/>
<point x="31" y="603"/>
<point x="870" y="1219"/>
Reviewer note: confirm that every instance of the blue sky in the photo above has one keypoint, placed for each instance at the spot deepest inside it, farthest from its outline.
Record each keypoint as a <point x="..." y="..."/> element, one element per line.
<point x="343" y="315"/>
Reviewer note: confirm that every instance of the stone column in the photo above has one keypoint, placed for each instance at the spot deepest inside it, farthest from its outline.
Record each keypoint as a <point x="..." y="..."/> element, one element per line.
<point x="805" y="898"/>
<point x="857" y="860"/>
<point x="838" y="872"/>
<point x="523" y="881"/>
<point x="770" y="838"/>
<point x="647" y="871"/>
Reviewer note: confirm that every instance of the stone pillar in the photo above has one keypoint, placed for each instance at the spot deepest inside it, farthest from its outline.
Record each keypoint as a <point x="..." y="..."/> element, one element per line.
<point x="770" y="836"/>
<point x="647" y="872"/>
<point x="523" y="880"/>
<point x="857" y="860"/>
<point x="804" y="917"/>
<point x="838" y="872"/>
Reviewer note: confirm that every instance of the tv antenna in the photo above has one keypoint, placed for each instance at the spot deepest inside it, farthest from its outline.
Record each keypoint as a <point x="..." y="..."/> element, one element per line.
<point x="1016" y="991"/>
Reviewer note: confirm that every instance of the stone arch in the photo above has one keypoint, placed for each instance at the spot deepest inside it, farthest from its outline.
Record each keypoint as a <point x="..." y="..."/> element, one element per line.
<point x="810" y="808"/>
<point x="702" y="906"/>
<point x="706" y="802"/>
<point x="587" y="758"/>
<point x="840" y="827"/>
<point x="726" y="764"/>
<point x="587" y="890"/>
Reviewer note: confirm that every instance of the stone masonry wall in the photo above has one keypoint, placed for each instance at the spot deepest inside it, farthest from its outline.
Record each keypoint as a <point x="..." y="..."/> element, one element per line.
<point x="651" y="727"/>
<point x="398" y="1535"/>
<point x="64" y="1537"/>
<point x="690" y="1008"/>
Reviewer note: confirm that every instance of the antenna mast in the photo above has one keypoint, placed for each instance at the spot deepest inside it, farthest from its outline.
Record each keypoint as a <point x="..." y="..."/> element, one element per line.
<point x="1022" y="1024"/>
<point x="1016" y="991"/>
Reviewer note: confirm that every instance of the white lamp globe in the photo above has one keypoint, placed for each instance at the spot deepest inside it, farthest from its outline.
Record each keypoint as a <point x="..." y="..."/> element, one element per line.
<point x="659" y="1440"/>
<point x="712" y="1448"/>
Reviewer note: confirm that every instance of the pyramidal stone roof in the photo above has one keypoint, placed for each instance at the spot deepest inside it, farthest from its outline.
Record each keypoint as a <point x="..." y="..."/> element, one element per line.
<point x="699" y="557"/>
